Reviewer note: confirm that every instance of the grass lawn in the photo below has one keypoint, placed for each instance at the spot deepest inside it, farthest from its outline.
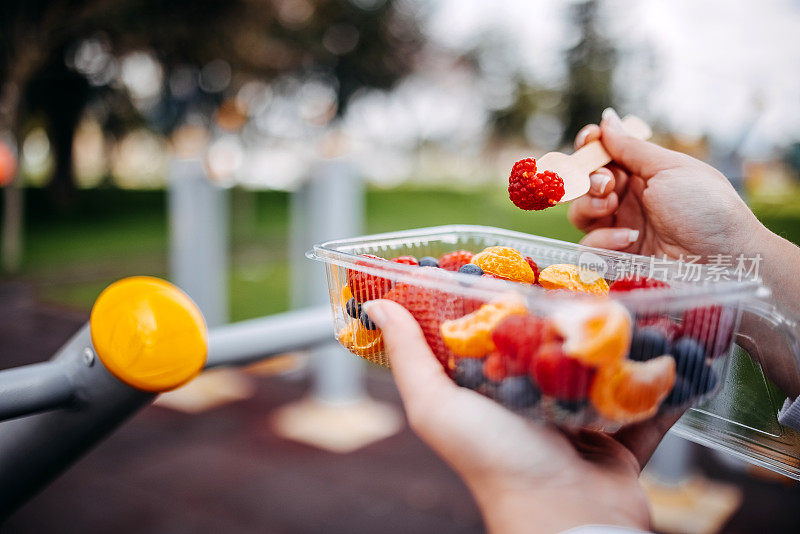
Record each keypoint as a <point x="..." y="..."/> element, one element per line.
<point x="110" y="234"/>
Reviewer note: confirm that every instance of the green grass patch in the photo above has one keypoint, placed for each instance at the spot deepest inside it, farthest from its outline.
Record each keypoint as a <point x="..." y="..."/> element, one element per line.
<point x="72" y="254"/>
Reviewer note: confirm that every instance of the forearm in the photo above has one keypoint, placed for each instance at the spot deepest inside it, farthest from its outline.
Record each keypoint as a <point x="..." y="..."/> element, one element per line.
<point x="779" y="269"/>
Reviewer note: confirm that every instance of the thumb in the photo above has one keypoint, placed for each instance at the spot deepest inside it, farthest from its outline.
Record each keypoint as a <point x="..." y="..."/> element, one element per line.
<point x="416" y="370"/>
<point x="637" y="156"/>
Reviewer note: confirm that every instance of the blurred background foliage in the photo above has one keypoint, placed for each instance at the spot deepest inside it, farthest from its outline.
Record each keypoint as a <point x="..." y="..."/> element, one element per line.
<point x="432" y="101"/>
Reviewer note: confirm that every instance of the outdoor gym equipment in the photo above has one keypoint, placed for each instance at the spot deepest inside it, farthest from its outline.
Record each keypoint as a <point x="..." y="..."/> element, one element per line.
<point x="145" y="336"/>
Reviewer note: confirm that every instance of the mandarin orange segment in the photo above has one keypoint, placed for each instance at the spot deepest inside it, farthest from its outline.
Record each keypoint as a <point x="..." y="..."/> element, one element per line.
<point x="470" y="336"/>
<point x="574" y="278"/>
<point x="596" y="333"/>
<point x="360" y="341"/>
<point x="345" y="295"/>
<point x="632" y="391"/>
<point x="505" y="263"/>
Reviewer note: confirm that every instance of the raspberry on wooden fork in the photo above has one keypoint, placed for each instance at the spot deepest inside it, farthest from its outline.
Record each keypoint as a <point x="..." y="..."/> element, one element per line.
<point x="529" y="190"/>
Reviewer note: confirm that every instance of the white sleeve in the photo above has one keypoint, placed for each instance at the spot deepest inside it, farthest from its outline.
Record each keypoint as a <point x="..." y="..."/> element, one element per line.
<point x="603" y="529"/>
<point x="790" y="414"/>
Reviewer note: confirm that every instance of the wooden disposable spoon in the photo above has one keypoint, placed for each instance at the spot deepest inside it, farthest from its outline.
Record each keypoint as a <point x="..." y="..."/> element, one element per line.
<point x="575" y="168"/>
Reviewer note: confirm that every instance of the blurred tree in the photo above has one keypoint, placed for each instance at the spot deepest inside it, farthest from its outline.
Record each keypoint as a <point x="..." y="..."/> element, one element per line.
<point x="792" y="157"/>
<point x="528" y="100"/>
<point x="356" y="43"/>
<point x="590" y="70"/>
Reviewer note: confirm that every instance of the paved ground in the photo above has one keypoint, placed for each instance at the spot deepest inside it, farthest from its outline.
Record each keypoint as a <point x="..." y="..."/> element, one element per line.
<point x="224" y="471"/>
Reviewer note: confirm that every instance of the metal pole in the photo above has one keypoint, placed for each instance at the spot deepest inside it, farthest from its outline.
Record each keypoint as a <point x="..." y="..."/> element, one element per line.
<point x="33" y="388"/>
<point x="198" y="221"/>
<point x="299" y="243"/>
<point x="331" y="206"/>
<point x="671" y="464"/>
<point x="249" y="341"/>
<point x="35" y="449"/>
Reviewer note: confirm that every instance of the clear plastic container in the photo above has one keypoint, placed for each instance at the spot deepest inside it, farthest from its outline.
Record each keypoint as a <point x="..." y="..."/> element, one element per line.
<point x="610" y="359"/>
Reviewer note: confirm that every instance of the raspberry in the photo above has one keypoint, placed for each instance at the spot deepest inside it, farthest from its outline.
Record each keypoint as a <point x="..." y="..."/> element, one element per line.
<point x="534" y="267"/>
<point x="635" y="281"/>
<point x="670" y="329"/>
<point x="430" y="308"/>
<point x="405" y="260"/>
<point x="518" y="338"/>
<point x="711" y="326"/>
<point x="560" y="376"/>
<point x="529" y="190"/>
<point x="367" y="286"/>
<point x="453" y="261"/>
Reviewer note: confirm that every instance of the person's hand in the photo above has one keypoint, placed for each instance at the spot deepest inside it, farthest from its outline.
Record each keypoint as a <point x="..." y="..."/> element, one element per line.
<point x="525" y="476"/>
<point x="654" y="201"/>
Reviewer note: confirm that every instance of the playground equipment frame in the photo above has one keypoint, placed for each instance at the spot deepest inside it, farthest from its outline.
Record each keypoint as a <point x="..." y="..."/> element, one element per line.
<point x="51" y="413"/>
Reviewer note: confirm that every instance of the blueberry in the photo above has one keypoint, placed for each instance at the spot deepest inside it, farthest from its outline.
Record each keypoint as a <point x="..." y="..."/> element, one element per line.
<point x="428" y="261"/>
<point x="572" y="406"/>
<point x="703" y="381"/>
<point x="689" y="356"/>
<point x="686" y="389"/>
<point x="680" y="393"/>
<point x="518" y="392"/>
<point x="469" y="373"/>
<point x="366" y="321"/>
<point x="471" y="268"/>
<point x="353" y="308"/>
<point x="647" y="343"/>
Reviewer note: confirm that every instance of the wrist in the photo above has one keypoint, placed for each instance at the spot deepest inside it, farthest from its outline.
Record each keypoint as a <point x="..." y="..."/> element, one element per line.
<point x="554" y="509"/>
<point x="777" y="264"/>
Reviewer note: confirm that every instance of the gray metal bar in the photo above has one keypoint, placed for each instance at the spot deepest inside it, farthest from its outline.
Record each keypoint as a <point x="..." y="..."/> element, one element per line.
<point x="35" y="449"/>
<point x="248" y="341"/>
<point x="198" y="240"/>
<point x="33" y="388"/>
<point x="672" y="461"/>
<point x="333" y="198"/>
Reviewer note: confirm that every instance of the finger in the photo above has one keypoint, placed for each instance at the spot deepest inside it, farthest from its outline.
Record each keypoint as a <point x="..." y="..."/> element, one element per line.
<point x="643" y="438"/>
<point x="635" y="155"/>
<point x="621" y="178"/>
<point x="601" y="182"/>
<point x="585" y="211"/>
<point x="611" y="238"/>
<point x="587" y="134"/>
<point x="416" y="370"/>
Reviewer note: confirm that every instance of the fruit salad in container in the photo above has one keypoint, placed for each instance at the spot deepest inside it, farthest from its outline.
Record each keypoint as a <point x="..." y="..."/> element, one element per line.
<point x="578" y="336"/>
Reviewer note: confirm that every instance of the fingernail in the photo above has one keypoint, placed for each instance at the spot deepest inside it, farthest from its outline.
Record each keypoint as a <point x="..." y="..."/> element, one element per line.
<point x="374" y="311"/>
<point x="599" y="181"/>
<point x="625" y="237"/>
<point x="599" y="203"/>
<point x="611" y="118"/>
<point x="581" y="138"/>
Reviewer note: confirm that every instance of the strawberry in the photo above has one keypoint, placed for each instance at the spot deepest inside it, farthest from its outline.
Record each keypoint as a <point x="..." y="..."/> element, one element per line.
<point x="430" y="308"/>
<point x="453" y="261"/>
<point x="367" y="286"/>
